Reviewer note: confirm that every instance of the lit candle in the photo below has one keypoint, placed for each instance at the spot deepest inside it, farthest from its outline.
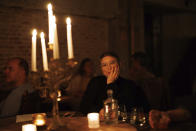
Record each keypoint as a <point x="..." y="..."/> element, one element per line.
<point x="50" y="24"/>
<point x="44" y="54"/>
<point x="39" y="119"/>
<point x="33" y="51"/>
<point x="93" y="120"/>
<point x="58" y="95"/>
<point x="29" y="127"/>
<point x="69" y="39"/>
<point x="56" y="43"/>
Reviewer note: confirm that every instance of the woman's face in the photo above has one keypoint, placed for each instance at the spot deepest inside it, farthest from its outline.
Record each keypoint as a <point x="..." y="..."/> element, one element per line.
<point x="89" y="68"/>
<point x="107" y="64"/>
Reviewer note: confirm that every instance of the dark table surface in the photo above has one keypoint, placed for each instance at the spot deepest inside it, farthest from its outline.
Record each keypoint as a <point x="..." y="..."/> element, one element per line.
<point x="81" y="124"/>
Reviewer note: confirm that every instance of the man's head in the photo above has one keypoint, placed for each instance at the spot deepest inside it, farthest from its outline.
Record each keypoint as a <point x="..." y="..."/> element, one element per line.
<point x="139" y="60"/>
<point x="16" y="71"/>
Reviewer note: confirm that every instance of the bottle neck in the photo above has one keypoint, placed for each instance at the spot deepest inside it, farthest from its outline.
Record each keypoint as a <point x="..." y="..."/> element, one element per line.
<point x="110" y="93"/>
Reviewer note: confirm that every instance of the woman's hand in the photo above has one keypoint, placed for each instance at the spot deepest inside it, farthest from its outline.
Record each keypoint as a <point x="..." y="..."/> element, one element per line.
<point x="101" y="114"/>
<point x="115" y="71"/>
<point x="158" y="119"/>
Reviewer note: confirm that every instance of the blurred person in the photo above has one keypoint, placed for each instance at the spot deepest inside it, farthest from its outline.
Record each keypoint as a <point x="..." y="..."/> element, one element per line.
<point x="79" y="82"/>
<point x="150" y="84"/>
<point x="162" y="119"/>
<point x="182" y="82"/>
<point x="124" y="91"/>
<point x="16" y="73"/>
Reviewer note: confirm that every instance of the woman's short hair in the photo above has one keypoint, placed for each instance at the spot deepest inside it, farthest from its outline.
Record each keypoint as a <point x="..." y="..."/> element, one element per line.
<point x="110" y="54"/>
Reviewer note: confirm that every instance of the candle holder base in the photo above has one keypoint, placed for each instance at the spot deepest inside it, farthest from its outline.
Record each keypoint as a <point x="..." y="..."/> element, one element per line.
<point x="55" y="123"/>
<point x="57" y="75"/>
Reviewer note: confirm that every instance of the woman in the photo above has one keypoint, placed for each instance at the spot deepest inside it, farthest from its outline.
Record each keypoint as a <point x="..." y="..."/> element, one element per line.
<point x="79" y="82"/>
<point x="124" y="91"/>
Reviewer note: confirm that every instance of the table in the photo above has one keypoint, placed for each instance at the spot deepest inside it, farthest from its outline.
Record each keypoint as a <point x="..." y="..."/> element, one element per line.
<point x="80" y="124"/>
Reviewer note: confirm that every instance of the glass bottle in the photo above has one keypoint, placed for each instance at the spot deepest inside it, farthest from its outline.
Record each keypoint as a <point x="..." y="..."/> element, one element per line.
<point x="110" y="109"/>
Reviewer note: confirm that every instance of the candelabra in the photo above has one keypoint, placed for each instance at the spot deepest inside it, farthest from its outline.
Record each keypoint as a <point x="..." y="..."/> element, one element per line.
<point x="51" y="80"/>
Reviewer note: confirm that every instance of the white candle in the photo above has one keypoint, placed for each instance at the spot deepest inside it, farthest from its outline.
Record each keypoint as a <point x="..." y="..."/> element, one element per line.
<point x="69" y="39"/>
<point x="33" y="51"/>
<point x="56" y="43"/>
<point x="93" y="120"/>
<point x="50" y="24"/>
<point x="44" y="54"/>
<point x="29" y="127"/>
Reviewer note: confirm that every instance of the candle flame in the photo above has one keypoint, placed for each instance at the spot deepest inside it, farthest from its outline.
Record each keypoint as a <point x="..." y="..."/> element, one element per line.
<point x="49" y="6"/>
<point x="39" y="122"/>
<point x="42" y="34"/>
<point x="68" y="20"/>
<point x="34" y="32"/>
<point x="59" y="93"/>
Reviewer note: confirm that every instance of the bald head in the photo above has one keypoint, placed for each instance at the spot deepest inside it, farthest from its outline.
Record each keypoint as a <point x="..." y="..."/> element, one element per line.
<point x="16" y="71"/>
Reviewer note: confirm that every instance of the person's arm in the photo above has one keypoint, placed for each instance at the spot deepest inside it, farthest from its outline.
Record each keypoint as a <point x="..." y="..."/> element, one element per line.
<point x="179" y="114"/>
<point x="73" y="86"/>
<point x="161" y="120"/>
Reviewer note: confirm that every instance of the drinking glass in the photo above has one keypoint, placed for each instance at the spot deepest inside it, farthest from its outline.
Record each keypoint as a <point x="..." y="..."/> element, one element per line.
<point x="122" y="113"/>
<point x="137" y="117"/>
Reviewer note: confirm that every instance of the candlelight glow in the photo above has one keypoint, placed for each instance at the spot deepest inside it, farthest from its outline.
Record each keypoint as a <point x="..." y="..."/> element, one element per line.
<point x="42" y="34"/>
<point x="33" y="51"/>
<point x="56" y="43"/>
<point x="50" y="7"/>
<point x="58" y="95"/>
<point x="34" y="32"/>
<point x="68" y="21"/>
<point x="93" y="120"/>
<point x="39" y="122"/>
<point x="39" y="119"/>
<point x="29" y="127"/>
<point x="44" y="54"/>
<point x="50" y="25"/>
<point x="69" y="39"/>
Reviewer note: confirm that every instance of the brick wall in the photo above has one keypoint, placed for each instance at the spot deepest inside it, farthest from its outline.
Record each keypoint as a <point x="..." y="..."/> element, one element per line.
<point x="90" y="33"/>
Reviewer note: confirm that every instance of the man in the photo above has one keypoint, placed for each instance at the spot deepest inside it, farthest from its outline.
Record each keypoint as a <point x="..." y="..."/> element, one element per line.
<point x="151" y="85"/>
<point x="16" y="73"/>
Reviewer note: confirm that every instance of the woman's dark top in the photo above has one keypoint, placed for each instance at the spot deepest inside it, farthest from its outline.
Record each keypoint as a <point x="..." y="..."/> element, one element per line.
<point x="124" y="91"/>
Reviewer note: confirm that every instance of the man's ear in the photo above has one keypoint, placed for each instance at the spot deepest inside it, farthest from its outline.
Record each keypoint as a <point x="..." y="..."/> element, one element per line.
<point x="22" y="71"/>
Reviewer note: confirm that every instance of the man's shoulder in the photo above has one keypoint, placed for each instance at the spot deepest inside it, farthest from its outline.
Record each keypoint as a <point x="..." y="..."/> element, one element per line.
<point x="28" y="87"/>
